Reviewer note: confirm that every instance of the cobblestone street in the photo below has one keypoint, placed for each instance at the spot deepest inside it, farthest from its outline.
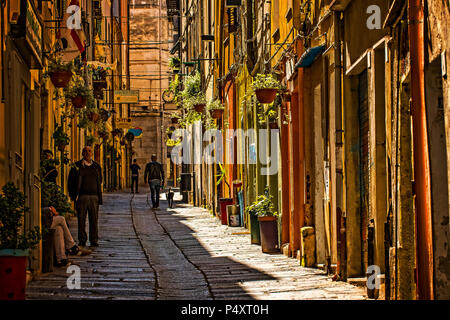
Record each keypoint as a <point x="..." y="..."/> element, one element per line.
<point x="181" y="253"/>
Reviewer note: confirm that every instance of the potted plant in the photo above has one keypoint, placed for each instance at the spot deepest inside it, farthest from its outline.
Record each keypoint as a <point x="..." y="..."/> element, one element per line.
<point x="272" y="115"/>
<point x="15" y="243"/>
<point x="104" y="114"/>
<point x="91" y="140"/>
<point x="61" y="138"/>
<point x="103" y="133"/>
<point x="60" y="73"/>
<point x="215" y="109"/>
<point x="93" y="115"/>
<point x="174" y="117"/>
<point x="117" y="132"/>
<point x="266" y="87"/>
<point x="79" y="94"/>
<point x="263" y="209"/>
<point x="174" y="64"/>
<point x="199" y="102"/>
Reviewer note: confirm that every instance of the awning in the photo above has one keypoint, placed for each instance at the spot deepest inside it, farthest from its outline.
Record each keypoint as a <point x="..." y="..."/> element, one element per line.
<point x="136" y="131"/>
<point x="310" y="56"/>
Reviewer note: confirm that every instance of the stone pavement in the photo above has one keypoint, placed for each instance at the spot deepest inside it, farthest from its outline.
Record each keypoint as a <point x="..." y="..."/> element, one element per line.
<point x="182" y="253"/>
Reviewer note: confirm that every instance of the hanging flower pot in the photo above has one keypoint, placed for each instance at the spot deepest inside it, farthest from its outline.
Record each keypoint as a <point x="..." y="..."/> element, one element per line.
<point x="61" y="147"/>
<point x="200" y="108"/>
<point x="216" y="113"/>
<point x="103" y="134"/>
<point x="117" y="132"/>
<point x="61" y="78"/>
<point x="94" y="117"/>
<point x="273" y="124"/>
<point x="266" y="95"/>
<point x="104" y="114"/>
<point x="98" y="94"/>
<point x="287" y="96"/>
<point x="79" y="102"/>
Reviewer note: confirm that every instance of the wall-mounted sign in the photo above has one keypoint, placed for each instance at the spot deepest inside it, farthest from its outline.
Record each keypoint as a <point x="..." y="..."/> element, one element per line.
<point x="126" y="96"/>
<point x="27" y="34"/>
<point x="123" y="123"/>
<point x="170" y="106"/>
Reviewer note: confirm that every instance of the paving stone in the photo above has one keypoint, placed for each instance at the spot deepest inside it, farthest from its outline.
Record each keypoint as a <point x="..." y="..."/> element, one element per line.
<point x="181" y="253"/>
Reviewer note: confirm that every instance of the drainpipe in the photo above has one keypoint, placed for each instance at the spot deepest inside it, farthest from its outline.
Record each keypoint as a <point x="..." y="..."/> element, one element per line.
<point x="422" y="187"/>
<point x="340" y="216"/>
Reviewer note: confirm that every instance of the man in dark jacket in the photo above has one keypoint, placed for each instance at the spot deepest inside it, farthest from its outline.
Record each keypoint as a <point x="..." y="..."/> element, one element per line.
<point x="154" y="175"/>
<point x="85" y="189"/>
<point x="135" y="176"/>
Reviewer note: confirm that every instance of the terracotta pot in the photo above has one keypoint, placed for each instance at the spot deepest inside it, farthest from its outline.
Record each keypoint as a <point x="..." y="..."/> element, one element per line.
<point x="79" y="102"/>
<point x="269" y="234"/>
<point x="273" y="125"/>
<point x="200" y="108"/>
<point x="267" y="95"/>
<point x="99" y="84"/>
<point x="98" y="94"/>
<point x="61" y="147"/>
<point x="60" y="79"/>
<point x="216" y="113"/>
<point x="287" y="97"/>
<point x="94" y="117"/>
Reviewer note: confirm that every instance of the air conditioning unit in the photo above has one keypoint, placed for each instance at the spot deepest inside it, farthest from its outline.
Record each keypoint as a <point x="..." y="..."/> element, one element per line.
<point x="14" y="11"/>
<point x="233" y="3"/>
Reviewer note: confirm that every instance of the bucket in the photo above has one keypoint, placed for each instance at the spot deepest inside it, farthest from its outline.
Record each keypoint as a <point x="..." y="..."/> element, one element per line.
<point x="269" y="234"/>
<point x="13" y="265"/>
<point x="224" y="202"/>
<point x="254" y="230"/>
<point x="234" y="216"/>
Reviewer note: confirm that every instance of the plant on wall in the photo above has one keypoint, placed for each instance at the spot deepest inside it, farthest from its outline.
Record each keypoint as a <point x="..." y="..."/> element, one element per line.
<point x="174" y="64"/>
<point x="91" y="140"/>
<point x="266" y="87"/>
<point x="60" y="73"/>
<point x="79" y="93"/>
<point x="61" y="138"/>
<point x="215" y="108"/>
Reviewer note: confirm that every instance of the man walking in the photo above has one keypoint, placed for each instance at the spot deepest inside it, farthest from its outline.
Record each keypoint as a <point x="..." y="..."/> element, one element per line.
<point x="134" y="176"/>
<point x="85" y="189"/>
<point x="154" y="175"/>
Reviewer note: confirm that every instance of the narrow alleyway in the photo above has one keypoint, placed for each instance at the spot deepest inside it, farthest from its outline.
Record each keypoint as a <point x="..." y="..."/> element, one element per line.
<point x="181" y="253"/>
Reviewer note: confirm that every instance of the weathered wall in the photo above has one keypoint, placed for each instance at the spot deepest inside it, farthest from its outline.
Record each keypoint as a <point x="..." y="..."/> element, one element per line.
<point x="149" y="56"/>
<point x="438" y="113"/>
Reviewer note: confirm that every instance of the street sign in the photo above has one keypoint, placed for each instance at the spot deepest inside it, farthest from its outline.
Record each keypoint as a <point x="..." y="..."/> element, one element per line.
<point x="123" y="123"/>
<point x="126" y="96"/>
<point x="170" y="106"/>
